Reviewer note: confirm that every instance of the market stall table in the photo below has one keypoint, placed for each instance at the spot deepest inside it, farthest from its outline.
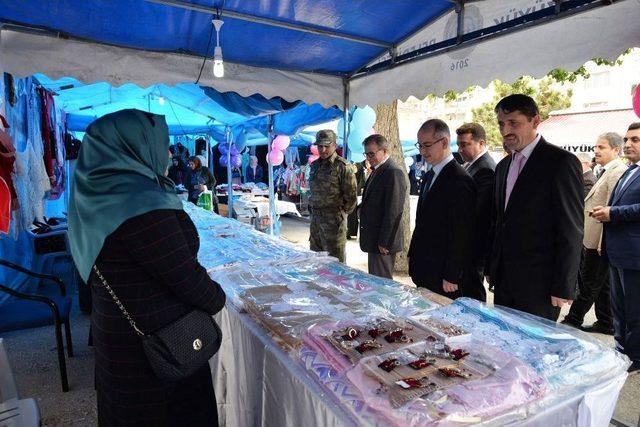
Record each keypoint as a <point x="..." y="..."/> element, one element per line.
<point x="276" y="365"/>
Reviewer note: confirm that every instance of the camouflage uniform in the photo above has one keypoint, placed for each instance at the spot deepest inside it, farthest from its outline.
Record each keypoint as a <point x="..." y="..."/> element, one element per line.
<point x="332" y="197"/>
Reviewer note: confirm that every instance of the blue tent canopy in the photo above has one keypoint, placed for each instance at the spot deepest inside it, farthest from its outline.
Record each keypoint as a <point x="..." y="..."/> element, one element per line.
<point x="332" y="52"/>
<point x="160" y="27"/>
<point x="188" y="108"/>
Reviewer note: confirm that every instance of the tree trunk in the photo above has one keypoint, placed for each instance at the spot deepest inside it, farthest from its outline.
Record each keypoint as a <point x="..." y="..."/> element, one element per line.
<point x="387" y="125"/>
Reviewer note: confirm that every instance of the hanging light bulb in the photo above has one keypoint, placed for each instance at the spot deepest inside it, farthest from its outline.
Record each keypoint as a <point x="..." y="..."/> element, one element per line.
<point x="161" y="100"/>
<point x="218" y="63"/>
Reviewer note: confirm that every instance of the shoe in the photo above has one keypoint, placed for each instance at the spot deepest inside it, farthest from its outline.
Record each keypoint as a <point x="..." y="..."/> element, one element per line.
<point x="570" y="322"/>
<point x="635" y="367"/>
<point x="598" y="328"/>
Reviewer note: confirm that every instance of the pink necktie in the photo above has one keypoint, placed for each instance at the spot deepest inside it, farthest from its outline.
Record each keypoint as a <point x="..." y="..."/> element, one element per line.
<point x="514" y="170"/>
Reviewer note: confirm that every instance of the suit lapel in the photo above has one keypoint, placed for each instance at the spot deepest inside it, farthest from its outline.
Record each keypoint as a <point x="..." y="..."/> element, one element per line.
<point x="374" y="179"/>
<point x="525" y="175"/>
<point x="624" y="189"/>
<point x="603" y="178"/>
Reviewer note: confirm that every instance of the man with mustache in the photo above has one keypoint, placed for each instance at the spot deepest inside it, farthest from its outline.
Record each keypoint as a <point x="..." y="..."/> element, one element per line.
<point x="537" y="217"/>
<point x="621" y="245"/>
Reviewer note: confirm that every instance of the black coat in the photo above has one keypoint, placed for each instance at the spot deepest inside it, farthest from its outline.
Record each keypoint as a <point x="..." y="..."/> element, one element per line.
<point x="589" y="181"/>
<point x="483" y="173"/>
<point x="537" y="239"/>
<point x="250" y="177"/>
<point x="150" y="263"/>
<point x="381" y="209"/>
<point x="442" y="242"/>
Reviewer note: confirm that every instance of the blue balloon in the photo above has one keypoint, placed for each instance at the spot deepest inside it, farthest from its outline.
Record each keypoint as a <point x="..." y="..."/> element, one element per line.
<point x="355" y="140"/>
<point x="363" y="117"/>
<point x="223" y="161"/>
<point x="223" y="148"/>
<point x="234" y="150"/>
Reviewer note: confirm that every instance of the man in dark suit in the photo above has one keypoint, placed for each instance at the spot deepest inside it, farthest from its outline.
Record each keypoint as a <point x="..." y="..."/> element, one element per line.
<point x="588" y="176"/>
<point x="384" y="193"/>
<point x="472" y="146"/>
<point x="621" y="245"/>
<point x="537" y="216"/>
<point x="440" y="254"/>
<point x="254" y="171"/>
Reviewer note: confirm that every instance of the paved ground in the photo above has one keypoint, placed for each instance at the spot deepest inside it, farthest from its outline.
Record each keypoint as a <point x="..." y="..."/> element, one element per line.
<point x="33" y="357"/>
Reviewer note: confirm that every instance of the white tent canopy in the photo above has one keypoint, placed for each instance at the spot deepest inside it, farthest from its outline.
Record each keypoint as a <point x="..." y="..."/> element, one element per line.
<point x="555" y="42"/>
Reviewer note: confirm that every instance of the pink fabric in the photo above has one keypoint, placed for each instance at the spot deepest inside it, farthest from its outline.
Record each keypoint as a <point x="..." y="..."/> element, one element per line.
<point x="514" y="170"/>
<point x="314" y="339"/>
<point x="5" y="207"/>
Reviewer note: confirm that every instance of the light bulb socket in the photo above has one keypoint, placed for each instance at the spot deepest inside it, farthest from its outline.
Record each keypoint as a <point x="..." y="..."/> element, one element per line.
<point x="217" y="23"/>
<point x="217" y="53"/>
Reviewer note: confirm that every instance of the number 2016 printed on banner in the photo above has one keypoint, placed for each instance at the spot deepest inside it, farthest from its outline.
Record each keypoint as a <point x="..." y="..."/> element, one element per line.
<point x="459" y="65"/>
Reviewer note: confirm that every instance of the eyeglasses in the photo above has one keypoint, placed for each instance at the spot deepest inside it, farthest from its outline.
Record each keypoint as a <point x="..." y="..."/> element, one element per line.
<point x="633" y="139"/>
<point x="428" y="144"/>
<point x="371" y="154"/>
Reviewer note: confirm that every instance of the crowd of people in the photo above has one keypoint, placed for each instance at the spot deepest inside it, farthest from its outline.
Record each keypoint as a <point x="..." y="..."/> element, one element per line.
<point x="542" y="227"/>
<point x="527" y="225"/>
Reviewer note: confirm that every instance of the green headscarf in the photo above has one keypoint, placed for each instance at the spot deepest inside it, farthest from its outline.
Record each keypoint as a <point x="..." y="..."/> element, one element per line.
<point x="119" y="175"/>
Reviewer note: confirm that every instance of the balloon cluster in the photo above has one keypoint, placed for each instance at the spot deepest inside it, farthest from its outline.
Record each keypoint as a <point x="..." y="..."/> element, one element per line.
<point x="278" y="145"/>
<point x="361" y="126"/>
<point x="236" y="160"/>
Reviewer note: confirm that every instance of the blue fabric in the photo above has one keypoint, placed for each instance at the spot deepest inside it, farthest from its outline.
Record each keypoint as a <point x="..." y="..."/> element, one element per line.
<point x="188" y="108"/>
<point x="144" y="25"/>
<point x="25" y="314"/>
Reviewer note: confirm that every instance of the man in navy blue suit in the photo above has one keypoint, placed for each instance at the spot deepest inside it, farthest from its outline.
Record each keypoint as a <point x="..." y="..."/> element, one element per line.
<point x="621" y="245"/>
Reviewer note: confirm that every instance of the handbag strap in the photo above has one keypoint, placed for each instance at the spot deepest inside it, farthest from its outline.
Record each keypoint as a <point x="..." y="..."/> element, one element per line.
<point x="117" y="301"/>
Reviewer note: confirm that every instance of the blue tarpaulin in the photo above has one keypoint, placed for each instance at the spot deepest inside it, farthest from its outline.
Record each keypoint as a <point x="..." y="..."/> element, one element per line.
<point x="188" y="108"/>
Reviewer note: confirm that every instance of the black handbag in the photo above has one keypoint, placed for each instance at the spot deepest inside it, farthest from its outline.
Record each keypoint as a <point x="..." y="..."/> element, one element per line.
<point x="179" y="349"/>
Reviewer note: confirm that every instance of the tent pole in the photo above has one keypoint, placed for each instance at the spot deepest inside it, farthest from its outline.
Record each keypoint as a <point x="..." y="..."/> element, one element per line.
<point x="460" y="13"/>
<point x="229" y="174"/>
<point x="272" y="196"/>
<point x="345" y="117"/>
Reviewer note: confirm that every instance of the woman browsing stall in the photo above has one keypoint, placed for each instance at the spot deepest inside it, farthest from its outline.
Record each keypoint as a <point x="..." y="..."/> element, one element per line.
<point x="126" y="222"/>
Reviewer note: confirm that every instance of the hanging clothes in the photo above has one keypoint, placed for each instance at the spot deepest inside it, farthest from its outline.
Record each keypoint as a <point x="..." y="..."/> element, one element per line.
<point x="5" y="207"/>
<point x="7" y="160"/>
<point x="52" y="155"/>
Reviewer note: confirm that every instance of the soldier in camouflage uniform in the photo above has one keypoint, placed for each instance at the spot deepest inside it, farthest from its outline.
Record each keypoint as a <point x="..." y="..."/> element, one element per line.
<point x="332" y="197"/>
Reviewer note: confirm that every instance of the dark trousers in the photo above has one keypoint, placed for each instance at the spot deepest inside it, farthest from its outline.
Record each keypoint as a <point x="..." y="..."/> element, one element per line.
<point x="625" y="299"/>
<point x="506" y="294"/>
<point x="593" y="287"/>
<point x="473" y="286"/>
<point x="381" y="265"/>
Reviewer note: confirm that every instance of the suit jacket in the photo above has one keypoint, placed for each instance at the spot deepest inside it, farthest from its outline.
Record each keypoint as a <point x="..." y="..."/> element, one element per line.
<point x="622" y="232"/>
<point x="483" y="173"/>
<point x="599" y="195"/>
<point x="442" y="242"/>
<point x="250" y="177"/>
<point x="537" y="239"/>
<point x="589" y="179"/>
<point x="381" y="209"/>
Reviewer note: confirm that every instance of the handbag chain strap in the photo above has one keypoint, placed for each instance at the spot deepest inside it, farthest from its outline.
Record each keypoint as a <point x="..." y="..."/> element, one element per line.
<point x="117" y="301"/>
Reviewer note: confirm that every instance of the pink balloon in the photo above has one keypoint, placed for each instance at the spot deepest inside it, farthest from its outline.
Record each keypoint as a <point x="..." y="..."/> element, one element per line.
<point x="280" y="142"/>
<point x="314" y="150"/>
<point x="275" y="157"/>
<point x="636" y="101"/>
<point x="313" y="158"/>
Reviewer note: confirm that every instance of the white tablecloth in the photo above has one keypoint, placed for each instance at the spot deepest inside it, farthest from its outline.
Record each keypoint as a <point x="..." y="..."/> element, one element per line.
<point x="257" y="384"/>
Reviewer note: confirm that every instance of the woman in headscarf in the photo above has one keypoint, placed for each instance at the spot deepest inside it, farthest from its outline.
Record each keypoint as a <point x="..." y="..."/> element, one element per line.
<point x="200" y="177"/>
<point x="125" y="218"/>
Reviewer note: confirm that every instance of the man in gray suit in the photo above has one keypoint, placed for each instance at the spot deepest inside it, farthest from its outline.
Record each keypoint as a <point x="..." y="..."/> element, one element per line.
<point x="381" y="231"/>
<point x="593" y="281"/>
